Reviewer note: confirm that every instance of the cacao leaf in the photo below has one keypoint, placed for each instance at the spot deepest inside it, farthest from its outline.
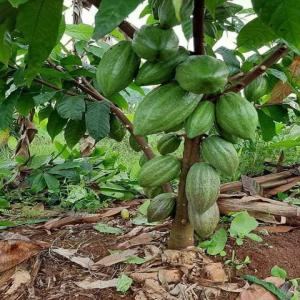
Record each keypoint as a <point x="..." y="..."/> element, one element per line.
<point x="74" y="131"/>
<point x="106" y="21"/>
<point x="39" y="21"/>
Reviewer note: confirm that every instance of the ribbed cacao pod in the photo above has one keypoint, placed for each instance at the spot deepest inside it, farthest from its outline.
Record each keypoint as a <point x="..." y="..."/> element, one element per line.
<point x="117" y="68"/>
<point x="256" y="89"/>
<point x="201" y="120"/>
<point x="143" y="159"/>
<point x="134" y="144"/>
<point x="168" y="143"/>
<point x="237" y="116"/>
<point x="204" y="224"/>
<point x="161" y="207"/>
<point x="163" y="108"/>
<point x="159" y="170"/>
<point x="202" y="74"/>
<point x="152" y="73"/>
<point x="117" y="129"/>
<point x="167" y="16"/>
<point x="202" y="186"/>
<point x="220" y="154"/>
<point x="153" y="43"/>
<point x="152" y="192"/>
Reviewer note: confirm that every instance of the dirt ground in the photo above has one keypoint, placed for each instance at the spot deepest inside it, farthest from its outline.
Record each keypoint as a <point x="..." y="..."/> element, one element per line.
<point x="55" y="276"/>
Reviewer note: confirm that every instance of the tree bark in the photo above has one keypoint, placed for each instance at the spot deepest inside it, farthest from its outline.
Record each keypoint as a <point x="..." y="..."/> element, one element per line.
<point x="182" y="233"/>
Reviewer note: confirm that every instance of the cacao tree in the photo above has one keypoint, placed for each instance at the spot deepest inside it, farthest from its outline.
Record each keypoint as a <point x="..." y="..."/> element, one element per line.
<point x="210" y="97"/>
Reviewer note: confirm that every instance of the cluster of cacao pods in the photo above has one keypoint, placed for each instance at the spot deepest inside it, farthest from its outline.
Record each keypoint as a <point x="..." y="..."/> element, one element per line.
<point x="177" y="104"/>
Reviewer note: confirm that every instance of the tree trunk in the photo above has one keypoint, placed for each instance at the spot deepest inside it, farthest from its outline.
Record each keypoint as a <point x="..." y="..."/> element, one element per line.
<point x="182" y="233"/>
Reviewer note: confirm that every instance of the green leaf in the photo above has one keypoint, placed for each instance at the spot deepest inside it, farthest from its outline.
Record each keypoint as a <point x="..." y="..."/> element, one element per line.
<point x="51" y="182"/>
<point x="119" y="100"/>
<point x="38" y="161"/>
<point x="104" y="228"/>
<point x="7" y="109"/>
<point x="71" y="107"/>
<point x="254" y="35"/>
<point x="43" y="98"/>
<point x="267" y="126"/>
<point x="254" y="237"/>
<point x="39" y="21"/>
<point x="16" y="3"/>
<point x="106" y="21"/>
<point x="177" y="5"/>
<point x="5" y="47"/>
<point x="25" y="104"/>
<point x="268" y="286"/>
<point x="38" y="183"/>
<point x="278" y="74"/>
<point x="82" y="32"/>
<point x="135" y="260"/>
<point x="97" y="119"/>
<point x="282" y="16"/>
<point x="4" y="204"/>
<point x="124" y="283"/>
<point x="187" y="29"/>
<point x="229" y="57"/>
<point x="144" y="207"/>
<point x="55" y="124"/>
<point x="242" y="224"/>
<point x="279" y="272"/>
<point x="211" y="5"/>
<point x="74" y="131"/>
<point x="217" y="242"/>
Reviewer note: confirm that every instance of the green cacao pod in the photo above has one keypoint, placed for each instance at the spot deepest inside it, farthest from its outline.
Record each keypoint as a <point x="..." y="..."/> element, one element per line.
<point x="229" y="137"/>
<point x="256" y="89"/>
<point x="175" y="128"/>
<point x="153" y="43"/>
<point x="152" y="192"/>
<point x="134" y="144"/>
<point x="117" y="68"/>
<point x="220" y="154"/>
<point x="204" y="224"/>
<point x="152" y="73"/>
<point x="163" y="108"/>
<point x="168" y="143"/>
<point x="201" y="120"/>
<point x="143" y="159"/>
<point x="236" y="116"/>
<point x="159" y="170"/>
<point x="117" y="129"/>
<point x="167" y="16"/>
<point x="202" y="74"/>
<point x="202" y="186"/>
<point x="161" y="207"/>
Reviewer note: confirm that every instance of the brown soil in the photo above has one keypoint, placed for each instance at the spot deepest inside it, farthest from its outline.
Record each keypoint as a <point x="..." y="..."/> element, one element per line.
<point x="281" y="249"/>
<point x="56" y="276"/>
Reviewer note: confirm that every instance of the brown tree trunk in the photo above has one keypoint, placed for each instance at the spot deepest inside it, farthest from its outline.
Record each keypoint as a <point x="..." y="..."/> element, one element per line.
<point x="182" y="233"/>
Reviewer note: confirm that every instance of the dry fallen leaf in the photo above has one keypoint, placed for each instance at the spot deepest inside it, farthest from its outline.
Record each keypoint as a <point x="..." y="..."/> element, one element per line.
<point x="155" y="291"/>
<point x="82" y="218"/>
<point x="115" y="258"/>
<point x="276" y="229"/>
<point x="141" y="277"/>
<point x="255" y="292"/>
<point x="84" y="262"/>
<point x="19" y="278"/>
<point x="13" y="252"/>
<point x="142" y="239"/>
<point x="215" y="272"/>
<point x="6" y="235"/>
<point x="169" y="276"/>
<point x="98" y="284"/>
<point x="179" y="258"/>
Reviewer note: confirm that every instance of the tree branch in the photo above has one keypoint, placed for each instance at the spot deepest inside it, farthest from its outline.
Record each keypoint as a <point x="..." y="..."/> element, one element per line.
<point x="125" y="26"/>
<point x="278" y="53"/>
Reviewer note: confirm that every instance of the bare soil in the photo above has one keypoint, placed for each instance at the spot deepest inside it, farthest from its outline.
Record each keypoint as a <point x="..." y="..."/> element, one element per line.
<point x="56" y="276"/>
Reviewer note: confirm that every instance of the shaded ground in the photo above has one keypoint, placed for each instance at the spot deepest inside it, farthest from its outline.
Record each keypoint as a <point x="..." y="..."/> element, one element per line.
<point x="56" y="276"/>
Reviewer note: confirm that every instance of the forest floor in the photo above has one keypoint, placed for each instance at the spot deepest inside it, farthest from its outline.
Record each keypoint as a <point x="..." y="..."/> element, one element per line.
<point x="74" y="261"/>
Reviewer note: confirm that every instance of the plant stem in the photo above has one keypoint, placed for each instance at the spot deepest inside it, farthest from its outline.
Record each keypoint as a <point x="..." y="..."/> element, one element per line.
<point x="182" y="233"/>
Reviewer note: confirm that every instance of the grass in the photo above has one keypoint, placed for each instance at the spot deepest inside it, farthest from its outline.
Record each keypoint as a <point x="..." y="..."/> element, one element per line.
<point x="252" y="155"/>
